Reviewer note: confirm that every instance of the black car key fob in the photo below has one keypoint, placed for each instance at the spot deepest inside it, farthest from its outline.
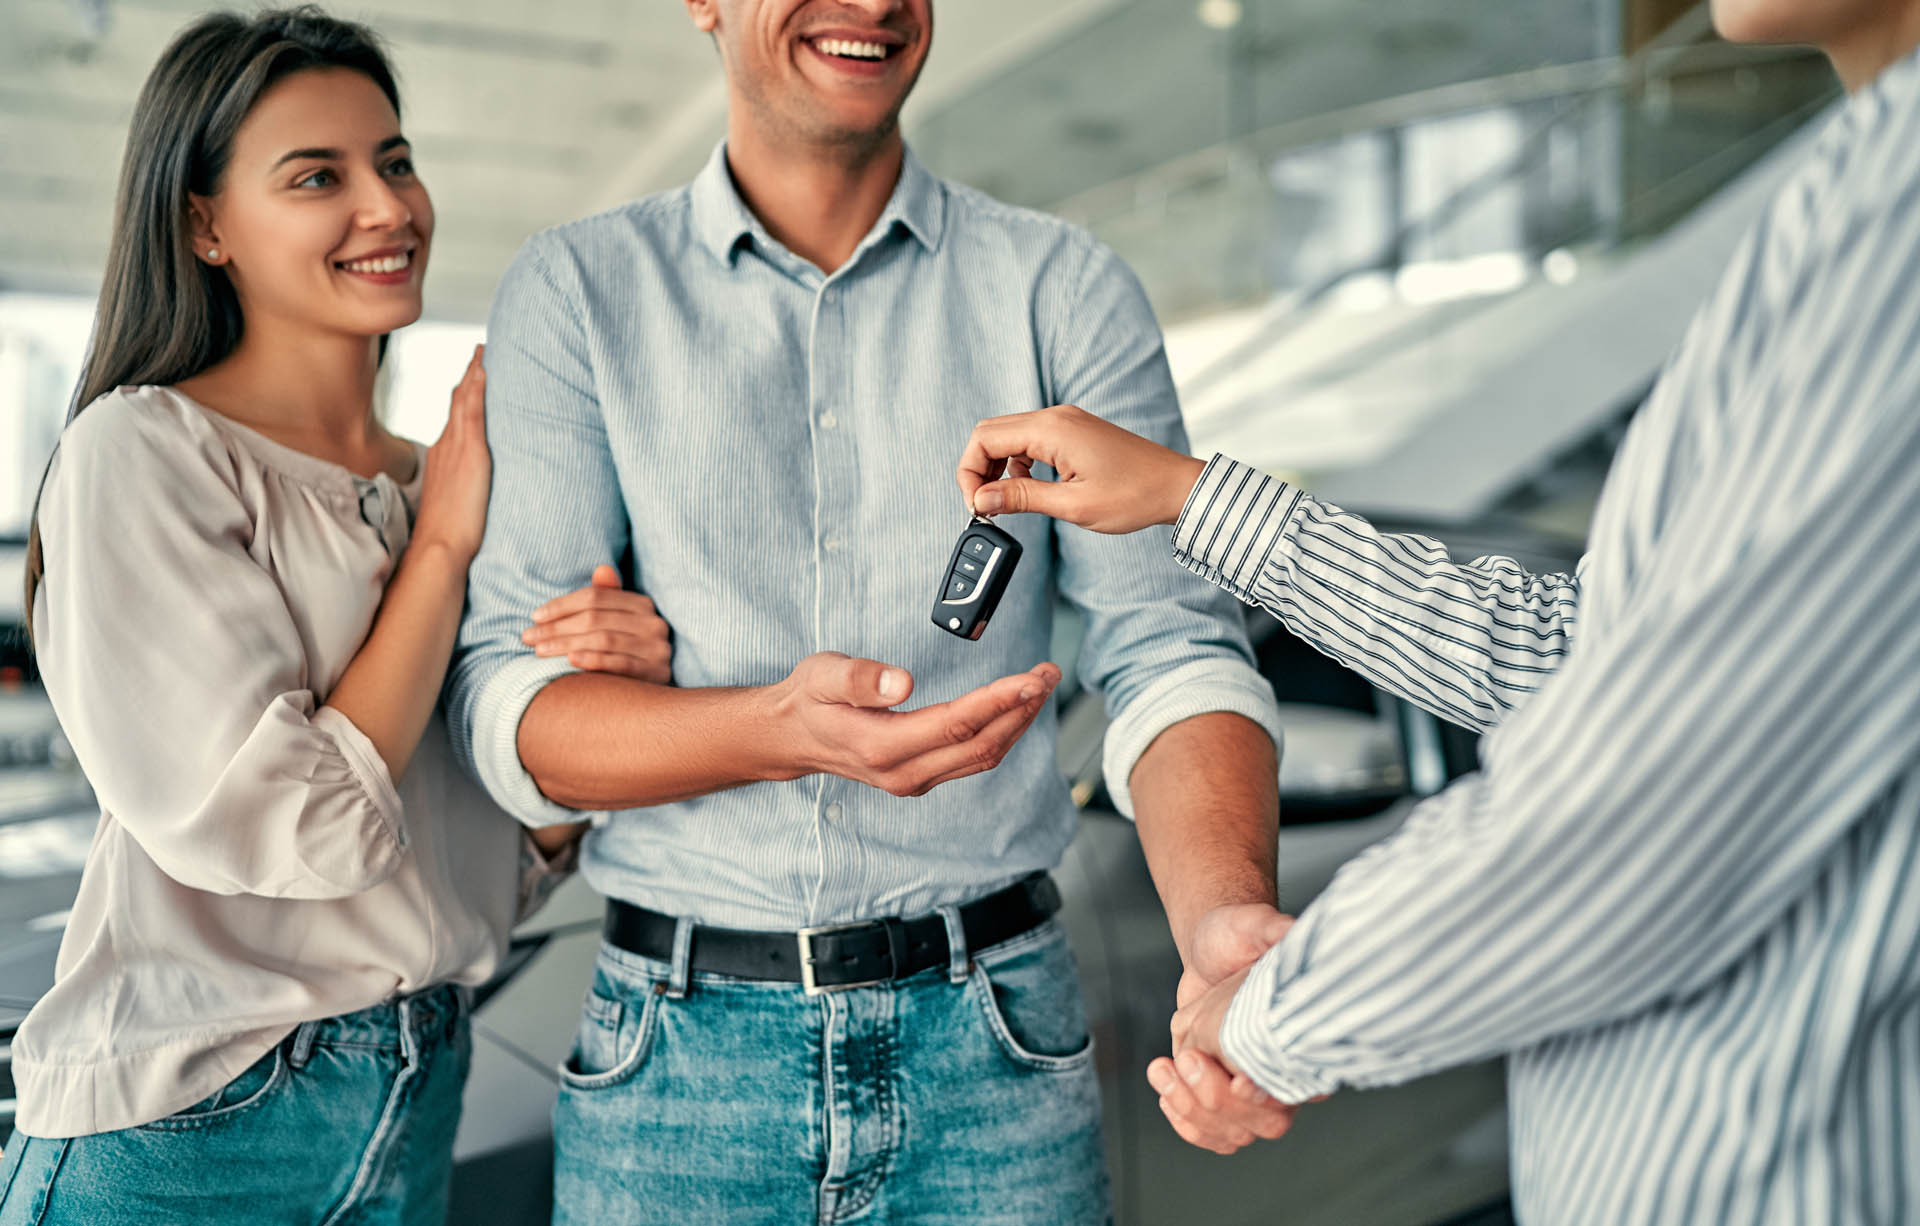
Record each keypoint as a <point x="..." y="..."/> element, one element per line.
<point x="975" y="579"/>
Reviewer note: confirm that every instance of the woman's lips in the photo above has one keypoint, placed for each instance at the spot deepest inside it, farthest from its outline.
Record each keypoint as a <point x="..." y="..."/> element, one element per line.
<point x="395" y="268"/>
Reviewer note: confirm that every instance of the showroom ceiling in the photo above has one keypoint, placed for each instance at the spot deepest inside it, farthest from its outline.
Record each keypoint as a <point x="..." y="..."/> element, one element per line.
<point x="526" y="115"/>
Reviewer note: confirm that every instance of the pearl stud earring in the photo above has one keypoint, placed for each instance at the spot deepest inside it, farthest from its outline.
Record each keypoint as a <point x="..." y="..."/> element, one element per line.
<point x="213" y="255"/>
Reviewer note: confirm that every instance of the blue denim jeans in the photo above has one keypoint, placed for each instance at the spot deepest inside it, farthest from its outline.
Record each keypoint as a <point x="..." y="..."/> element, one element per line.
<point x="348" y="1122"/>
<point x="963" y="1096"/>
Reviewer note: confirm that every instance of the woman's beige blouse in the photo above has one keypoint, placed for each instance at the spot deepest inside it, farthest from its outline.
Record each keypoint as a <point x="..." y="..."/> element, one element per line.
<point x="255" y="865"/>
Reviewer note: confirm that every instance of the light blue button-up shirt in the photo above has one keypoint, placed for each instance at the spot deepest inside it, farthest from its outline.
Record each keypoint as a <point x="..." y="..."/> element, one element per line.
<point x="772" y="449"/>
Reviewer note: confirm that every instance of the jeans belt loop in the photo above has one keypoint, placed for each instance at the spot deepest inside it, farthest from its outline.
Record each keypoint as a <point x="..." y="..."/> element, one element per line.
<point x="302" y="1050"/>
<point x="681" y="972"/>
<point x="959" y="957"/>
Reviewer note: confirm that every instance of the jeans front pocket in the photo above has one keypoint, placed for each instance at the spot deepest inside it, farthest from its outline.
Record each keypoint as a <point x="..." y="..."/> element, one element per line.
<point x="1029" y="993"/>
<point x="245" y="1092"/>
<point x="616" y="1027"/>
<point x="26" y="1178"/>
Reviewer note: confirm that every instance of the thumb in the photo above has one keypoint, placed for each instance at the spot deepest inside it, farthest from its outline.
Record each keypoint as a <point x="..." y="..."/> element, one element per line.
<point x="1273" y="929"/>
<point x="1014" y="495"/>
<point x="1240" y="934"/>
<point x="605" y="576"/>
<point x="862" y="683"/>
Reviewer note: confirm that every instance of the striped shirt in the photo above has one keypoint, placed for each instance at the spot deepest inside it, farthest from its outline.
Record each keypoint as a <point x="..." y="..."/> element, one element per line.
<point x="773" y="449"/>
<point x="1683" y="892"/>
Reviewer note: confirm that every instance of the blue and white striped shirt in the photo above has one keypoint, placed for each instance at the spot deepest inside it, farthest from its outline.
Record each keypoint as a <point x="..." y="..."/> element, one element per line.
<point x="775" y="449"/>
<point x="1684" y="890"/>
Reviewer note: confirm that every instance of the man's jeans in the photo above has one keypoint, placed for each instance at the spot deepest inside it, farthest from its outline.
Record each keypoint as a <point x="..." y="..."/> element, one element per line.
<point x="964" y="1095"/>
<point x="348" y="1122"/>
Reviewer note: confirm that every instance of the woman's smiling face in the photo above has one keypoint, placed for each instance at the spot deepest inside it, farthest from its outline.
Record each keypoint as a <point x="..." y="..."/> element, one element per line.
<point x="319" y="219"/>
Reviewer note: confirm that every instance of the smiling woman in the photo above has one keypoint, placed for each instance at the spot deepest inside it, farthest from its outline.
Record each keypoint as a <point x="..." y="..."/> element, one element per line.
<point x="251" y="589"/>
<point x="169" y="306"/>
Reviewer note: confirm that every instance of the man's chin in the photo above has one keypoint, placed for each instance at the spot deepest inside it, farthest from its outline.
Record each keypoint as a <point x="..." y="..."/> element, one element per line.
<point x="863" y="130"/>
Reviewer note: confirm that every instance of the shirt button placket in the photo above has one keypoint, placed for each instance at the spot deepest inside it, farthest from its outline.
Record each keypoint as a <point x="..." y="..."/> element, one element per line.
<point x="839" y="581"/>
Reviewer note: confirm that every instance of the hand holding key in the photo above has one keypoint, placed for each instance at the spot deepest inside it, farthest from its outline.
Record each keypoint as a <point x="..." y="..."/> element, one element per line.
<point x="840" y="710"/>
<point x="1107" y="479"/>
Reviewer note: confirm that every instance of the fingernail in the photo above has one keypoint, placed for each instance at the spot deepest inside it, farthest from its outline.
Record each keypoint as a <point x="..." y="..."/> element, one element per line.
<point x="1028" y="693"/>
<point x="893" y="684"/>
<point x="1190" y="1068"/>
<point x="987" y="501"/>
<point x="1159" y="1080"/>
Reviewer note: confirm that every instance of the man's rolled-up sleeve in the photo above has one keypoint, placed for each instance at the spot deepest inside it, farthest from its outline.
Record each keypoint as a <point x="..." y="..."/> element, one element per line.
<point x="555" y="513"/>
<point x="1159" y="647"/>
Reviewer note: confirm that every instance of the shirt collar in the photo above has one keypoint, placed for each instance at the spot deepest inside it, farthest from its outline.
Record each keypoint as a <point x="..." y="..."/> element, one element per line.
<point x="723" y="221"/>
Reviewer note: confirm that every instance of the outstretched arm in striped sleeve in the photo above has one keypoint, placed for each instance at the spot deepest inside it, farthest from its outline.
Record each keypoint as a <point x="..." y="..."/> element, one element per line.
<point x="1657" y="806"/>
<point x="1465" y="642"/>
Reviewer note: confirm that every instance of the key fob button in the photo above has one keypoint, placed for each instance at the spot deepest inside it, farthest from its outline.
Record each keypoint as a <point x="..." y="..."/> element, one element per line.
<point x="977" y="574"/>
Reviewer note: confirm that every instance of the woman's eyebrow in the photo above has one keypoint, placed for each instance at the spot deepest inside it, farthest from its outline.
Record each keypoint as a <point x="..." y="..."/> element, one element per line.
<point x="295" y="155"/>
<point x="334" y="155"/>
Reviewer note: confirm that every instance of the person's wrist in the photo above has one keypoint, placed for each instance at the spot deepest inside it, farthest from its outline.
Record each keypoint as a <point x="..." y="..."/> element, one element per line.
<point x="1183" y="473"/>
<point x="782" y="742"/>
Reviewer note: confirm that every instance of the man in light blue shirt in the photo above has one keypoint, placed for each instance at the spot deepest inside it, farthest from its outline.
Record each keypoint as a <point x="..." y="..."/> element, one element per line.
<point x="751" y="390"/>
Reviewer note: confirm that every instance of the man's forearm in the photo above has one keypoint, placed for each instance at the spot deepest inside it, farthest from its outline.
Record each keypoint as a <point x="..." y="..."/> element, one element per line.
<point x="1206" y="801"/>
<point x="594" y="741"/>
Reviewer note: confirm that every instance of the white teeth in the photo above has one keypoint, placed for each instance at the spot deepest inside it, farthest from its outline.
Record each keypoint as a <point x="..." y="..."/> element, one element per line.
<point x="390" y="263"/>
<point x="851" y="49"/>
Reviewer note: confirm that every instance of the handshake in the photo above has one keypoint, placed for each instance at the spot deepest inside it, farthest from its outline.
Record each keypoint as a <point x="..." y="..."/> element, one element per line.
<point x="1208" y="1101"/>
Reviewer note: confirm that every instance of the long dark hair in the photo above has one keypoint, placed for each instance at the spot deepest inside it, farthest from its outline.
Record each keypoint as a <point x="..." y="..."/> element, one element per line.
<point x="164" y="314"/>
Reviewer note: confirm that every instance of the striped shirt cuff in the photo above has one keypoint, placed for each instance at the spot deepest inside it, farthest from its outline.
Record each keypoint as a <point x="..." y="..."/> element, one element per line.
<point x="497" y="710"/>
<point x="1232" y="522"/>
<point x="1199" y="687"/>
<point x="1246" y="1033"/>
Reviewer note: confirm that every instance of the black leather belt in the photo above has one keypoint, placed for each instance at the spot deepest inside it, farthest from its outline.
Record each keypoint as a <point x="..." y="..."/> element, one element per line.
<point x="840" y="956"/>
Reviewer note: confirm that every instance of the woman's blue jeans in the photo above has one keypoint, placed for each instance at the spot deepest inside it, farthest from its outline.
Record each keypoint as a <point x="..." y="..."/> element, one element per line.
<point x="348" y="1122"/>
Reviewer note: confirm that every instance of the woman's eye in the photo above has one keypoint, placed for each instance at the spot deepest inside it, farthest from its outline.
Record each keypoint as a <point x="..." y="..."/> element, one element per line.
<point x="400" y="166"/>
<point x="319" y="178"/>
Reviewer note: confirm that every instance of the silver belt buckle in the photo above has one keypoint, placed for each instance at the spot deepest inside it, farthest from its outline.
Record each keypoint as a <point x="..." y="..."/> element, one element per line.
<point x="805" y="938"/>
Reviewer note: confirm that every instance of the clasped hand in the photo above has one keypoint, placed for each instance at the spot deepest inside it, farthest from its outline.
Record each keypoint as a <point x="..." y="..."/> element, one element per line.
<point x="1210" y="1103"/>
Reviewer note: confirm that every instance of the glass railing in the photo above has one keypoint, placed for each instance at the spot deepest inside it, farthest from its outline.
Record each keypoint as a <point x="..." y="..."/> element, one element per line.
<point x="1466" y="189"/>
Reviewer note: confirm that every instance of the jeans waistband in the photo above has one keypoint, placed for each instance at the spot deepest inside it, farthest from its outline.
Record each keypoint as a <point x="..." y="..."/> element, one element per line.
<point x="435" y="1010"/>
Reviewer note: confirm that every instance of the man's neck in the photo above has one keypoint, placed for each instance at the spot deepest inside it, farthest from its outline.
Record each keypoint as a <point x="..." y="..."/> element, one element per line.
<point x="819" y="202"/>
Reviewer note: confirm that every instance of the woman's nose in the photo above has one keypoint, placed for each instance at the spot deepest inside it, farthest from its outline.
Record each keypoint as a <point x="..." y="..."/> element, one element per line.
<point x="381" y="208"/>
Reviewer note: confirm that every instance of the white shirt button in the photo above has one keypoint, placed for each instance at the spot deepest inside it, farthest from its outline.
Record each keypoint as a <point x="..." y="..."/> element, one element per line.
<point x="834" y="811"/>
<point x="835" y="544"/>
<point x="828" y="421"/>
